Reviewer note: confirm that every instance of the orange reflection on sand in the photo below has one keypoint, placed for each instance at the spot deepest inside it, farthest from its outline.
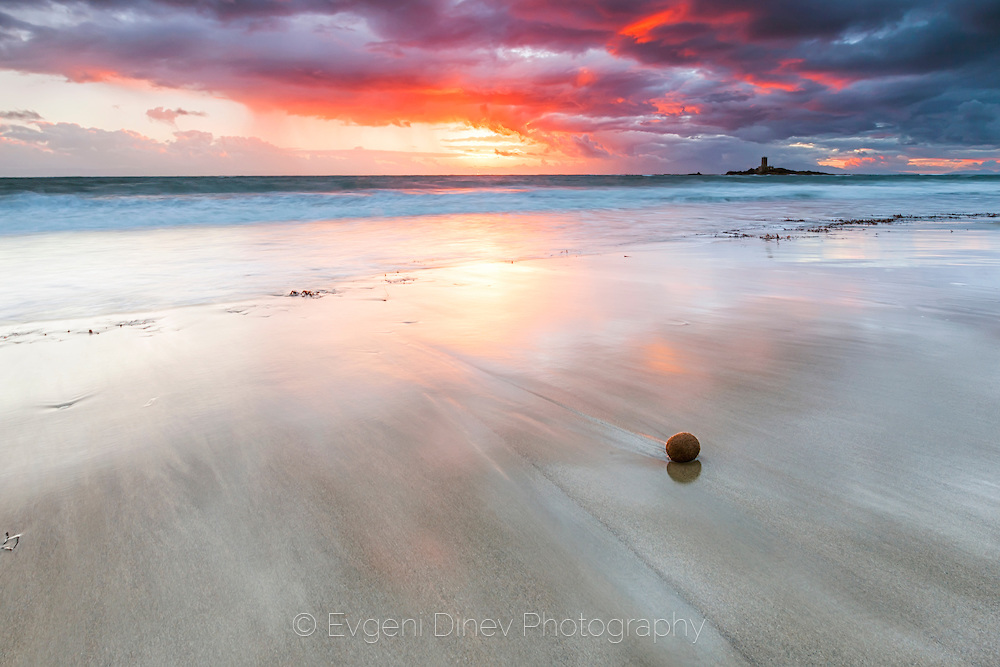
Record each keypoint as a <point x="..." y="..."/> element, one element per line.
<point x="489" y="309"/>
<point x="969" y="247"/>
<point x="880" y="247"/>
<point x="662" y="358"/>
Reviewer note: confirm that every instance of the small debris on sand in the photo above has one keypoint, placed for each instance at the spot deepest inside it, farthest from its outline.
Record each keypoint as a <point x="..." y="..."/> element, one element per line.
<point x="311" y="294"/>
<point x="7" y="538"/>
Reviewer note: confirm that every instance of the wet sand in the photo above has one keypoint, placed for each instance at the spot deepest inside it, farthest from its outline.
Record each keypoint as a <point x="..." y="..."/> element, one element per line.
<point x="480" y="442"/>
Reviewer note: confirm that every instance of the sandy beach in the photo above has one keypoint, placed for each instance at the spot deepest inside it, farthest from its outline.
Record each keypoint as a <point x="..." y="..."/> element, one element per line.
<point x="446" y="453"/>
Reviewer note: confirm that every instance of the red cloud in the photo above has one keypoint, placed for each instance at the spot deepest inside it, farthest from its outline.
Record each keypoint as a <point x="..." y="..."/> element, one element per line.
<point x="641" y="29"/>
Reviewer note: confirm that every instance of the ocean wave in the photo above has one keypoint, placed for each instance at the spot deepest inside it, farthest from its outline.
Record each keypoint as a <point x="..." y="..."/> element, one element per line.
<point x="36" y="205"/>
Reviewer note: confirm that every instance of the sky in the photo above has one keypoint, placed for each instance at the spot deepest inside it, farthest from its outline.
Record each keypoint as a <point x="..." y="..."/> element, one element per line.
<point x="205" y="87"/>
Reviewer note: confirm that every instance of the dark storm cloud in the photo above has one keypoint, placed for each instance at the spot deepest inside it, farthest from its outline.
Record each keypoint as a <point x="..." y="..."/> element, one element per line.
<point x="170" y="116"/>
<point x="21" y="115"/>
<point x="920" y="72"/>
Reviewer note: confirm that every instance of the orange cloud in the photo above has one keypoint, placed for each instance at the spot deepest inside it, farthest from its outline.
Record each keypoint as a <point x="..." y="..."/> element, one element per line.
<point x="671" y="106"/>
<point x="768" y="85"/>
<point x="797" y="67"/>
<point x="946" y="163"/>
<point x="831" y="81"/>
<point x="639" y="30"/>
<point x="855" y="162"/>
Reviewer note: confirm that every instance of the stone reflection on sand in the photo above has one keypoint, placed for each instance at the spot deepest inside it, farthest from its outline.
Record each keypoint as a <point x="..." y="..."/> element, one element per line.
<point x="684" y="473"/>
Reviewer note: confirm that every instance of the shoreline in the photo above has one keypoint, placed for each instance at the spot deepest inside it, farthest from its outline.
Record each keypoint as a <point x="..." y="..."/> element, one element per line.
<point x="479" y="445"/>
<point x="14" y="332"/>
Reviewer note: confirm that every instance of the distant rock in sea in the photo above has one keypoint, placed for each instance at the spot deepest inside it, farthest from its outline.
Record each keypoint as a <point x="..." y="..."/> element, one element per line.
<point x="765" y="170"/>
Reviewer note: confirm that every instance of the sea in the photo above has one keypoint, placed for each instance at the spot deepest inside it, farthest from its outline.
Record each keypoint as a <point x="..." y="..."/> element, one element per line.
<point x="84" y="247"/>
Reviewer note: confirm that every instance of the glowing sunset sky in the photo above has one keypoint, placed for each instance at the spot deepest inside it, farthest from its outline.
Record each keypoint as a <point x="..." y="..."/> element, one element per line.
<point x="496" y="86"/>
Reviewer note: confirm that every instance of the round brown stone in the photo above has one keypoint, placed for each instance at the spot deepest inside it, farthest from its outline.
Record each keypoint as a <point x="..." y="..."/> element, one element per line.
<point x="683" y="447"/>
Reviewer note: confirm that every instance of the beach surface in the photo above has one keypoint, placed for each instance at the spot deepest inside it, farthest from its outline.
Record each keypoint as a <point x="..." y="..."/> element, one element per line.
<point x="485" y="441"/>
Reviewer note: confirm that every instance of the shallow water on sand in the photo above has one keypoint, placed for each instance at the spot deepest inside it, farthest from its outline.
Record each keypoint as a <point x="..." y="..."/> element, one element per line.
<point x="481" y="441"/>
<point x="88" y="247"/>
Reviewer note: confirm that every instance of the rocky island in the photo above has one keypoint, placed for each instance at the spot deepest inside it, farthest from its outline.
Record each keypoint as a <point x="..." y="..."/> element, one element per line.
<point x="765" y="170"/>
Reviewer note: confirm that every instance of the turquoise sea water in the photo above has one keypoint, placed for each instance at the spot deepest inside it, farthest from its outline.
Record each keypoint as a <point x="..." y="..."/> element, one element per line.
<point x="34" y="205"/>
<point x="77" y="247"/>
